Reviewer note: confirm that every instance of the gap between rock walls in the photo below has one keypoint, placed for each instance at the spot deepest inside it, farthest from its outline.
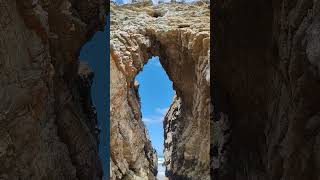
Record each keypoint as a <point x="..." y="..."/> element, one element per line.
<point x="183" y="51"/>
<point x="155" y="94"/>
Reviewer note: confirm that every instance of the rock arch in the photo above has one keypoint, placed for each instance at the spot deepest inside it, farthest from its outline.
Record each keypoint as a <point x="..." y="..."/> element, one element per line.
<point x="181" y="38"/>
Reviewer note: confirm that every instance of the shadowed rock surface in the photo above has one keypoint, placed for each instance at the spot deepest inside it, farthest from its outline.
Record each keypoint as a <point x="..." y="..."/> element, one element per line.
<point x="47" y="120"/>
<point x="266" y="90"/>
<point x="179" y="35"/>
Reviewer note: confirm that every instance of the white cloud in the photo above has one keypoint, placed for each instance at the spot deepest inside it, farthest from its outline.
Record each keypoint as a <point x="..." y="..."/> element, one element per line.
<point x="162" y="111"/>
<point x="153" y="119"/>
<point x="157" y="118"/>
<point x="155" y="2"/>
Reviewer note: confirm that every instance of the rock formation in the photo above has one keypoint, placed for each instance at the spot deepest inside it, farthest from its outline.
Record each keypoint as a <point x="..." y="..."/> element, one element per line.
<point x="47" y="121"/>
<point x="179" y="35"/>
<point x="266" y="84"/>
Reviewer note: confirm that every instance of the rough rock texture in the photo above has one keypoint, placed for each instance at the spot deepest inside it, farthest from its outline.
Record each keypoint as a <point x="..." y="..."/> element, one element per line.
<point x="46" y="116"/>
<point x="266" y="99"/>
<point x="171" y="120"/>
<point x="179" y="35"/>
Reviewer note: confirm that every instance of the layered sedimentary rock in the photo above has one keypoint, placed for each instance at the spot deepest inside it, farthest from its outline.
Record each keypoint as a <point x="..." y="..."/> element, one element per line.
<point x="266" y="81"/>
<point x="47" y="121"/>
<point x="179" y="35"/>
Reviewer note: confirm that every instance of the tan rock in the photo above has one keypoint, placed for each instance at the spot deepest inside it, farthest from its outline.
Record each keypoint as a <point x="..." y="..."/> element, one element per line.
<point x="179" y="35"/>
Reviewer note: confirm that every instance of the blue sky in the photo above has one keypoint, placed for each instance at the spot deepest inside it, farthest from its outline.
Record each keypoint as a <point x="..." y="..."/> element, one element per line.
<point x="156" y="96"/>
<point x="96" y="54"/>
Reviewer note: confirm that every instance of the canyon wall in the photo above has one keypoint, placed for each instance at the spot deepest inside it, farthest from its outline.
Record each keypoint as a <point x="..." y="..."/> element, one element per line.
<point x="47" y="120"/>
<point x="180" y="35"/>
<point x="266" y="90"/>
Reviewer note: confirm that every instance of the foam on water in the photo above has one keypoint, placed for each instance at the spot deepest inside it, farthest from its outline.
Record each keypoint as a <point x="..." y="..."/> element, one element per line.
<point x="161" y="169"/>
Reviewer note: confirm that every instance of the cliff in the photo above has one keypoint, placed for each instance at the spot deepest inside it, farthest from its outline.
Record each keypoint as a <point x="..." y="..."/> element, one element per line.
<point x="179" y="34"/>
<point x="266" y="84"/>
<point x="47" y="121"/>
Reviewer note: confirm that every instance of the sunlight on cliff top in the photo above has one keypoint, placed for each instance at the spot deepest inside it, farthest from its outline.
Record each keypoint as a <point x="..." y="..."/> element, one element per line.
<point x="154" y="2"/>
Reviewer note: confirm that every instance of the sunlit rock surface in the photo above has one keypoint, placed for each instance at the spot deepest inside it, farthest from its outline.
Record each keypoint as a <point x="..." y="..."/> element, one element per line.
<point x="179" y="34"/>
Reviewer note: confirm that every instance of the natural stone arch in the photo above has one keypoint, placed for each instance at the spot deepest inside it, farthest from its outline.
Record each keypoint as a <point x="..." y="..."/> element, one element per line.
<point x="180" y="37"/>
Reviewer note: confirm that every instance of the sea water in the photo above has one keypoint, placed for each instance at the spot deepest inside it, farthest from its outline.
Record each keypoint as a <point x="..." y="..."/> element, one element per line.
<point x="161" y="169"/>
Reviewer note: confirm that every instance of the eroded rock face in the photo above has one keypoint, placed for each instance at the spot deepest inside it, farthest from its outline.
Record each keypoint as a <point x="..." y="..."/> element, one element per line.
<point x="46" y="115"/>
<point x="171" y="131"/>
<point x="179" y="35"/>
<point x="267" y="83"/>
